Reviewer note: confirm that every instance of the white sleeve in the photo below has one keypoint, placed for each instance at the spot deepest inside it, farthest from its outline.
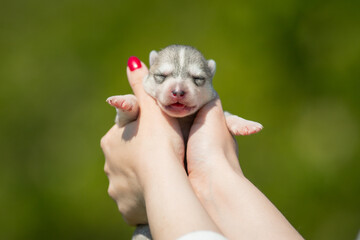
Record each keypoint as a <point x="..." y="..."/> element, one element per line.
<point x="202" y="235"/>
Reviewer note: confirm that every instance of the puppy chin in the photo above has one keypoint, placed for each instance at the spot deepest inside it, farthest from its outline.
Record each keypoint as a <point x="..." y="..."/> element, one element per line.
<point x="178" y="114"/>
<point x="178" y="110"/>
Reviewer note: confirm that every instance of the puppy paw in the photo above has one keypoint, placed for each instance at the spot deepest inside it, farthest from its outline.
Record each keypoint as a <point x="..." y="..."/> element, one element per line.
<point x="240" y="126"/>
<point x="125" y="103"/>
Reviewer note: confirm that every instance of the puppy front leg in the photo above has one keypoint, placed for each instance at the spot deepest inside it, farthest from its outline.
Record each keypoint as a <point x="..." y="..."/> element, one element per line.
<point x="127" y="108"/>
<point x="240" y="126"/>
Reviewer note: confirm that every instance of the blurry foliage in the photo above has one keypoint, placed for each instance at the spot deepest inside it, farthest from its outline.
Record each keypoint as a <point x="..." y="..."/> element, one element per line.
<point x="291" y="65"/>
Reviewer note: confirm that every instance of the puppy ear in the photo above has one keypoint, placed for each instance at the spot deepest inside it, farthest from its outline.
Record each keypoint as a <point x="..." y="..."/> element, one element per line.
<point x="212" y="66"/>
<point x="152" y="57"/>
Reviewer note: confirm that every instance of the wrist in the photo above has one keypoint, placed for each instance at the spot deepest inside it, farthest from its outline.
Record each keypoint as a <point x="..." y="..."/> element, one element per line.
<point x="220" y="199"/>
<point x="218" y="174"/>
<point x="169" y="197"/>
<point x="157" y="169"/>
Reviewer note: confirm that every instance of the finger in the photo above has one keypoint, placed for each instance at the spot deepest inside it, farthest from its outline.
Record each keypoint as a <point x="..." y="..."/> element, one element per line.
<point x="107" y="169"/>
<point x="212" y="113"/>
<point x="136" y="72"/>
<point x="111" y="139"/>
<point x="112" y="191"/>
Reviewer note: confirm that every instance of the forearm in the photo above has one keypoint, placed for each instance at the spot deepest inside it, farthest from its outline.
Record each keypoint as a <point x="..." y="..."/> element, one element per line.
<point x="172" y="207"/>
<point x="241" y="211"/>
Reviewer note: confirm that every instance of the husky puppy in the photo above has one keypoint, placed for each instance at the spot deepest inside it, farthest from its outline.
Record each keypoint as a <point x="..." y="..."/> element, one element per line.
<point x="180" y="80"/>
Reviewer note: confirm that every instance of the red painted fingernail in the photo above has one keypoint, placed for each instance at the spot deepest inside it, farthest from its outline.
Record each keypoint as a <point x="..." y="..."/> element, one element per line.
<point x="134" y="63"/>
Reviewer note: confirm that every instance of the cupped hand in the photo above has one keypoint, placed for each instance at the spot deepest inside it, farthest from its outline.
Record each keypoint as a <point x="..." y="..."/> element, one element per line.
<point x="238" y="208"/>
<point x="135" y="152"/>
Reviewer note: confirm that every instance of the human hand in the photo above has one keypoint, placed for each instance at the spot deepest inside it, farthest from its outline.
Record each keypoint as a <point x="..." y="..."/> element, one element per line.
<point x="238" y="208"/>
<point x="159" y="138"/>
<point x="211" y="149"/>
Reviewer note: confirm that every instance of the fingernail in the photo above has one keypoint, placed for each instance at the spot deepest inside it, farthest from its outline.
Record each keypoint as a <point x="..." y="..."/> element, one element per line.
<point x="134" y="63"/>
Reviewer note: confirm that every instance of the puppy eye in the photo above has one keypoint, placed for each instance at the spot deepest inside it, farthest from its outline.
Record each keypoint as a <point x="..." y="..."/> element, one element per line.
<point x="199" y="81"/>
<point x="159" y="78"/>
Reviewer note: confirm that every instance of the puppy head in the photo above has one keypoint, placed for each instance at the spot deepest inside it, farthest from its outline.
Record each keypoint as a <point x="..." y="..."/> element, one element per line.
<point x="180" y="79"/>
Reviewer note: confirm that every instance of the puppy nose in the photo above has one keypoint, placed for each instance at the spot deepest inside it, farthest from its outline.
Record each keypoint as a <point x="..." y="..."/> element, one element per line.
<point x="179" y="93"/>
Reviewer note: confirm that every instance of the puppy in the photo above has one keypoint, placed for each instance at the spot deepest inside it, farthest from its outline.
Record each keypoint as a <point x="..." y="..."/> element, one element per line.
<point x="180" y="80"/>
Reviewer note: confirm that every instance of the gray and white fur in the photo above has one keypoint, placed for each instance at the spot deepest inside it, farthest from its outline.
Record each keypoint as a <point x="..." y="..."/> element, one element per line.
<point x="180" y="80"/>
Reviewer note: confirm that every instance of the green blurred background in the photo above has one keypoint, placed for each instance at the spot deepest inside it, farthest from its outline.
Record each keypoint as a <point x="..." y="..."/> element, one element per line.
<point x="292" y="65"/>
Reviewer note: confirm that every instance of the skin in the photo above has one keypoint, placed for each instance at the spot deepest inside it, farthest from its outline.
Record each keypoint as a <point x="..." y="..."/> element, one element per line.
<point x="155" y="175"/>
<point x="238" y="208"/>
<point x="216" y="196"/>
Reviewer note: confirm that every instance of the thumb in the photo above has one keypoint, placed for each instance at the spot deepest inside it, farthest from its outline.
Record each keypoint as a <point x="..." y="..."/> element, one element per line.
<point x="136" y="72"/>
<point x="211" y="113"/>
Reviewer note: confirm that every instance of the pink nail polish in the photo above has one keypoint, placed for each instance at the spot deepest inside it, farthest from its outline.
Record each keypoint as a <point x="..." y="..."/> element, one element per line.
<point x="134" y="63"/>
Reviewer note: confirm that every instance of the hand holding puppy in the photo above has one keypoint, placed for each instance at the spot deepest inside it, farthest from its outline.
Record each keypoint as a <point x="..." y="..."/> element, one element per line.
<point x="132" y="149"/>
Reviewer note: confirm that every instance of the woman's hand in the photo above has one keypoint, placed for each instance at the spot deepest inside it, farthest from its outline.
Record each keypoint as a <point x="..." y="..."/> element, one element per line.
<point x="144" y="163"/>
<point x="211" y="150"/>
<point x="238" y="208"/>
<point x="134" y="151"/>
